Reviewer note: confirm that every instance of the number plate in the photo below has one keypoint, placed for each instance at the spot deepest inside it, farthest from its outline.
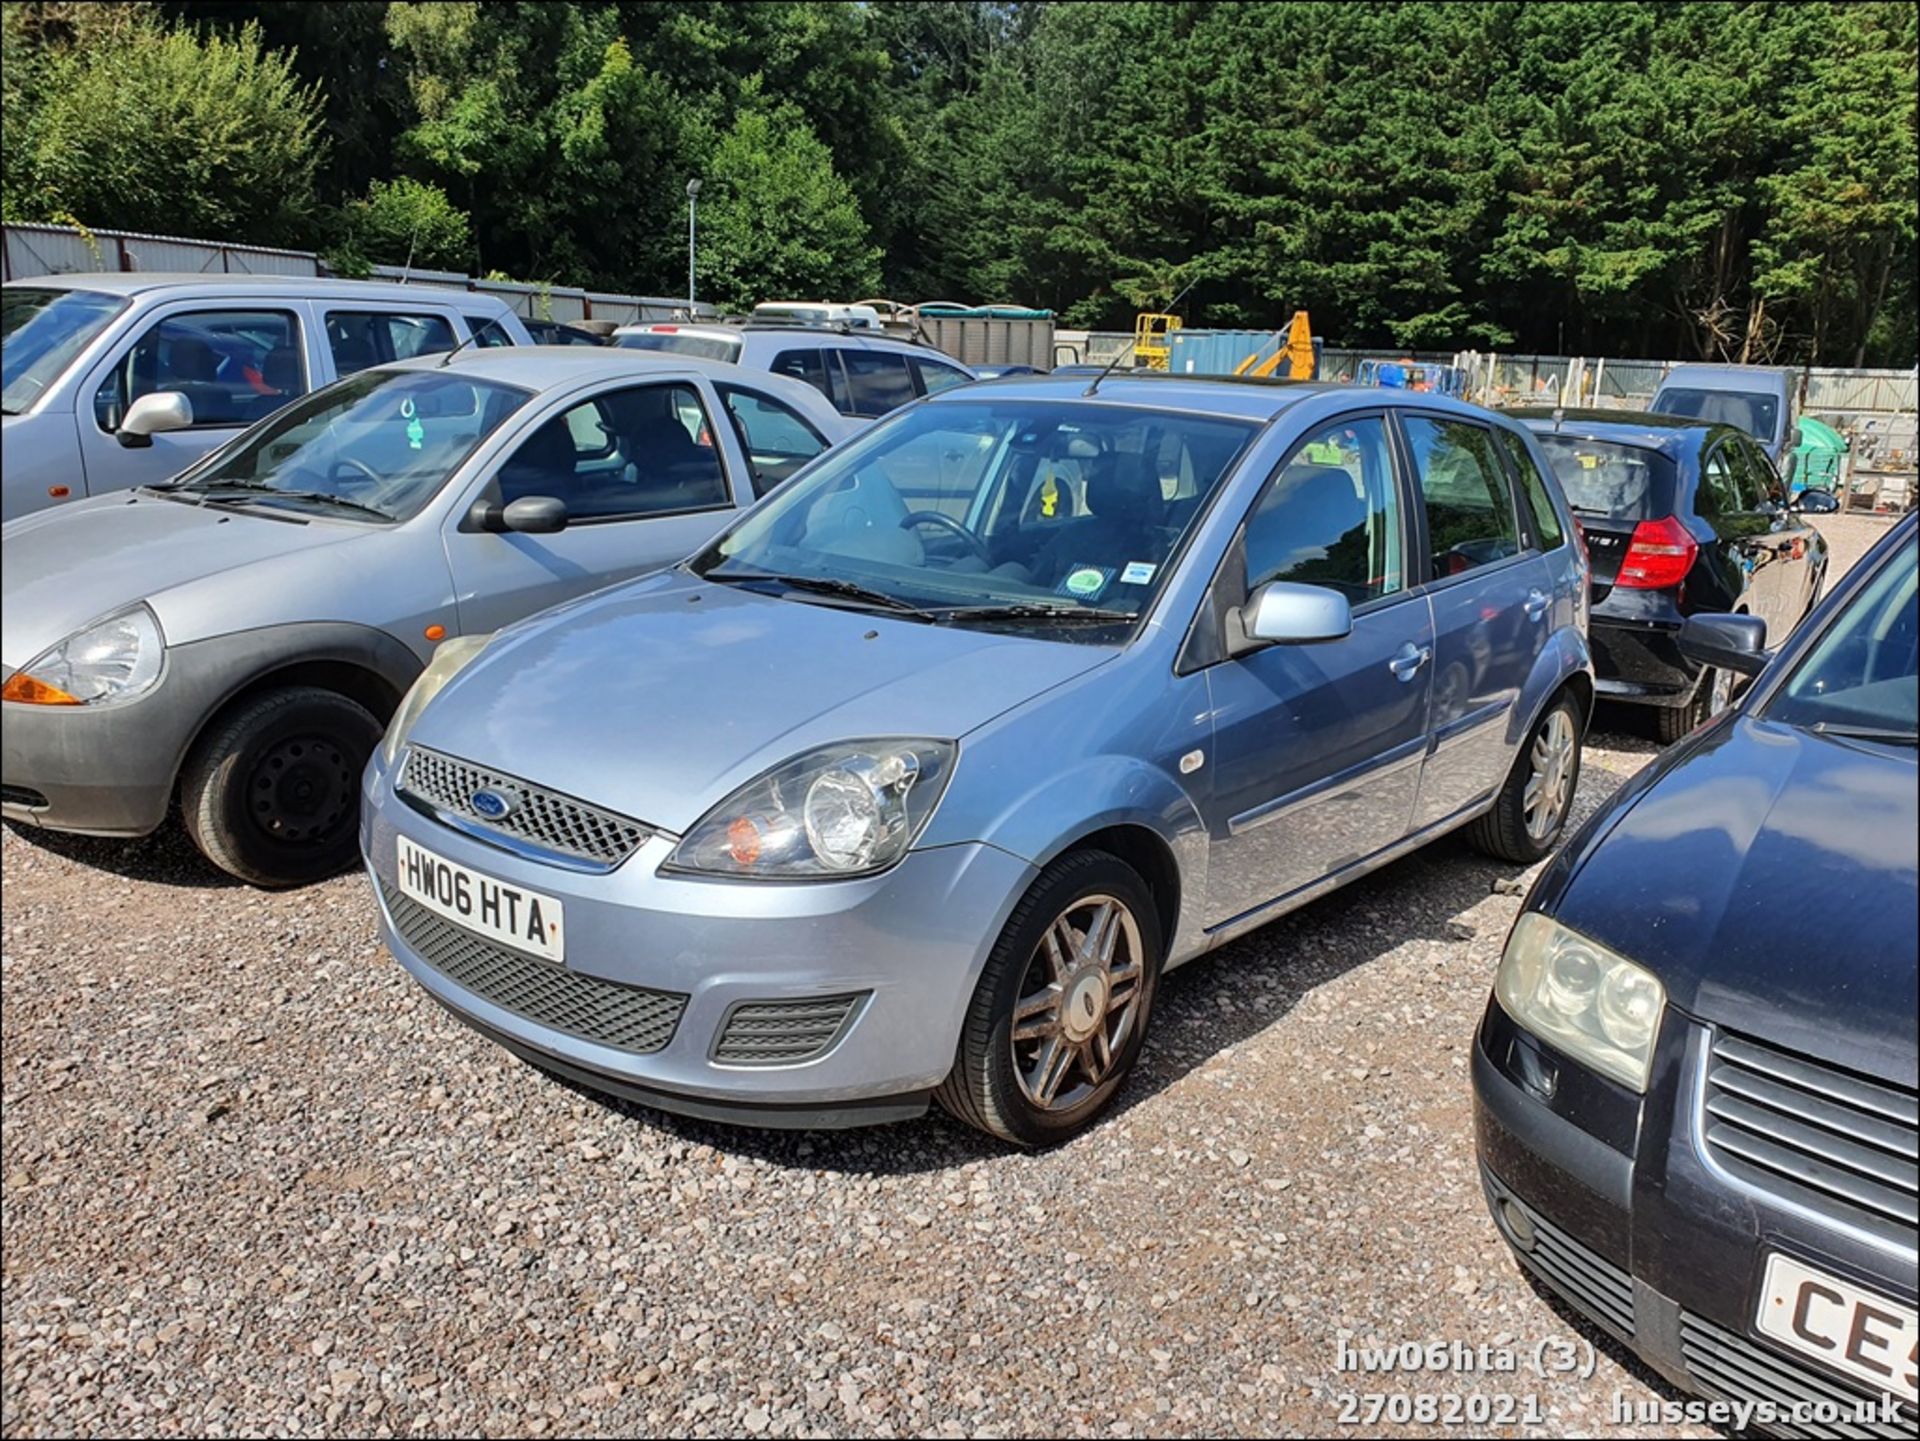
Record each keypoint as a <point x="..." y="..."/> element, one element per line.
<point x="1846" y="1327"/>
<point x="511" y="915"/>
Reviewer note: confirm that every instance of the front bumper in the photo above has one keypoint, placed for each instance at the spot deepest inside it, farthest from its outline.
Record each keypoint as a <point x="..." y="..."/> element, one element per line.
<point x="1653" y="1243"/>
<point x="909" y="944"/>
<point x="99" y="771"/>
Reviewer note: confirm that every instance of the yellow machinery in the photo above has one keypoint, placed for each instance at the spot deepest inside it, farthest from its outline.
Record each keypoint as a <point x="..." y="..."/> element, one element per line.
<point x="1153" y="338"/>
<point x="1296" y="354"/>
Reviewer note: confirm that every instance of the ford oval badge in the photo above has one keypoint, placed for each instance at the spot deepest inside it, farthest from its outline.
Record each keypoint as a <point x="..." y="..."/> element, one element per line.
<point x="493" y="805"/>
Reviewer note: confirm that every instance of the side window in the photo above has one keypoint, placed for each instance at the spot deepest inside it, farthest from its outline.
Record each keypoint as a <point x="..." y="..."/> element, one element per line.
<point x="1331" y="516"/>
<point x="1761" y="485"/>
<point x="932" y="376"/>
<point x="774" y="436"/>
<point x="1719" y="490"/>
<point x="622" y="455"/>
<point x="233" y="366"/>
<point x="487" y="332"/>
<point x="1470" y="517"/>
<point x="359" y="338"/>
<point x="878" y="379"/>
<point x="1546" y="520"/>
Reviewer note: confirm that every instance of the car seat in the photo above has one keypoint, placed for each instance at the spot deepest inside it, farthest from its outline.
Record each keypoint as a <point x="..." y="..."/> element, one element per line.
<point x="542" y="465"/>
<point x="1309" y="512"/>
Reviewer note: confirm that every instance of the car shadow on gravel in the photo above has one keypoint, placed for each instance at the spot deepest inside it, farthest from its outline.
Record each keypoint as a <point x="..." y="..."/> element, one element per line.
<point x="165" y="858"/>
<point x="1205" y="1007"/>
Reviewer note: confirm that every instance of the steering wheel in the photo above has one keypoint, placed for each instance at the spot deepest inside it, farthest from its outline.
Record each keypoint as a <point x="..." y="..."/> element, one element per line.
<point x="347" y="462"/>
<point x="945" y="522"/>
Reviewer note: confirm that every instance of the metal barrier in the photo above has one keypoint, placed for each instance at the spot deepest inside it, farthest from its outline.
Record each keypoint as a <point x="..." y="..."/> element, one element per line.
<point x="36" y="249"/>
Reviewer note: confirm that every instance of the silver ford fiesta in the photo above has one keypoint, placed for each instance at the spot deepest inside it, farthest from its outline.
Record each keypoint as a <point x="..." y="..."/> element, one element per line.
<point x="914" y="783"/>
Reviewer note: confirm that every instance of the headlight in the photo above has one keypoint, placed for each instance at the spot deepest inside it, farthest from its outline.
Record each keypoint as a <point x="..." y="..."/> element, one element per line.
<point x="843" y="810"/>
<point x="1596" y="1005"/>
<point x="112" y="659"/>
<point x="449" y="658"/>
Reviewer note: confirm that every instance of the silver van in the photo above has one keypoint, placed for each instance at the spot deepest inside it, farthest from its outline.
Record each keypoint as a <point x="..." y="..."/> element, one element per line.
<point x="118" y="380"/>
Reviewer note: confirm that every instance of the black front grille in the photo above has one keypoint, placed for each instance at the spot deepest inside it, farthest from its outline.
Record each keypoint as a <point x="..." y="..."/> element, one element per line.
<point x="1834" y="1142"/>
<point x="628" y="1018"/>
<point x="784" y="1033"/>
<point x="1733" y="1368"/>
<point x="21" y="796"/>
<point x="1582" y="1277"/>
<point x="548" y="819"/>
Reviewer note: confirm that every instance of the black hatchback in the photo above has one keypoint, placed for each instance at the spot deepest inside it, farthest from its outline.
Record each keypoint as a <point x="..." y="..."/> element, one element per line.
<point x="1697" y="1084"/>
<point x="1681" y="517"/>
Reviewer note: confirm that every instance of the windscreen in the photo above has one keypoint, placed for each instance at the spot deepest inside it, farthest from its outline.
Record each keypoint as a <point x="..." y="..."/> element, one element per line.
<point x="41" y="330"/>
<point x="1605" y="478"/>
<point x="982" y="512"/>
<point x="700" y="347"/>
<point x="1747" y="410"/>
<point x="379" y="444"/>
<point x="1862" y="674"/>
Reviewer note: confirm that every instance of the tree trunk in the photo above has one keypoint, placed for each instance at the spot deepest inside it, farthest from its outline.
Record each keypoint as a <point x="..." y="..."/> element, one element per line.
<point x="1870" y="311"/>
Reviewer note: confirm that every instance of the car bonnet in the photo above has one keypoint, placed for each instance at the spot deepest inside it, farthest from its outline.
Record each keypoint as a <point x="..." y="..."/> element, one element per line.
<point x="658" y="699"/>
<point x="76" y="563"/>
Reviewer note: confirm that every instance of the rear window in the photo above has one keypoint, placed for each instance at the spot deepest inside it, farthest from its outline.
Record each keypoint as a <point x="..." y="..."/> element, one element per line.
<point x="1600" y="477"/>
<point x="700" y="347"/>
<point x="1749" y="410"/>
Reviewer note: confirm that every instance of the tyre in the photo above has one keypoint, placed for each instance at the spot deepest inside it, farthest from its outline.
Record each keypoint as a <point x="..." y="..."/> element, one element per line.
<point x="1711" y="695"/>
<point x="272" y="792"/>
<point x="1530" y="813"/>
<point x="1057" y="1019"/>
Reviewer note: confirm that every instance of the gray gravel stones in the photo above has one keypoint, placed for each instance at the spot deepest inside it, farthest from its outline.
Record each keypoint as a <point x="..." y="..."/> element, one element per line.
<point x="255" y="1182"/>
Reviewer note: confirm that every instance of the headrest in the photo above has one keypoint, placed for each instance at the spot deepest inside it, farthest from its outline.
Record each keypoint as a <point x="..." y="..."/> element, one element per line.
<point x="1119" y="488"/>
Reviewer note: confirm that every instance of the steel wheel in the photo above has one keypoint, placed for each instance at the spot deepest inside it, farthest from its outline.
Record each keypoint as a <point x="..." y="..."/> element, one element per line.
<point x="1079" y="1002"/>
<point x="1549" y="785"/>
<point x="302" y="790"/>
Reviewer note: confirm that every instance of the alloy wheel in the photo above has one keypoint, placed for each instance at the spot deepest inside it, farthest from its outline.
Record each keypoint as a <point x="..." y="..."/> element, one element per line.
<point x="1550" y="785"/>
<point x="1079" y="1003"/>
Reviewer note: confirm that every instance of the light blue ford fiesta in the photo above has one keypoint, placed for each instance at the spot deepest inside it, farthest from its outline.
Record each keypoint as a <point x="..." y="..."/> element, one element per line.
<point x="913" y="784"/>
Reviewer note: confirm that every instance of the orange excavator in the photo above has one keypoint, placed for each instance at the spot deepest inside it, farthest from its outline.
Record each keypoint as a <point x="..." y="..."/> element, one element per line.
<point x="1295" y="355"/>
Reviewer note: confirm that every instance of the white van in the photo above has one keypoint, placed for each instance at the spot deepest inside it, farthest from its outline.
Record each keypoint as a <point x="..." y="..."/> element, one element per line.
<point x="820" y="312"/>
<point x="118" y="380"/>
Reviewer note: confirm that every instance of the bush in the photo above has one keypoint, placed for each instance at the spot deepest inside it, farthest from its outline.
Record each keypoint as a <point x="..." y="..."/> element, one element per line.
<point x="405" y="222"/>
<point x="133" y="126"/>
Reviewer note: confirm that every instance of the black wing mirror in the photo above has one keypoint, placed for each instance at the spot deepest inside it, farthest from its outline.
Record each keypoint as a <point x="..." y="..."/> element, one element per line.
<point x="1816" y="502"/>
<point x="1731" y="642"/>
<point x="529" y="515"/>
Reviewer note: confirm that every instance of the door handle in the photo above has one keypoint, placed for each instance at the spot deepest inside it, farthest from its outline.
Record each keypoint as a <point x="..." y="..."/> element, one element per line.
<point x="1537" y="602"/>
<point x="1407" y="663"/>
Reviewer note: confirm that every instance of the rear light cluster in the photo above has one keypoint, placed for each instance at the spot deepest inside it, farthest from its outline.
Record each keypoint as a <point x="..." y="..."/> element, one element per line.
<point x="1659" y="555"/>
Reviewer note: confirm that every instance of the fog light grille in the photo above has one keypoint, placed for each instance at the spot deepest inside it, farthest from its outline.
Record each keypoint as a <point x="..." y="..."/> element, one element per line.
<point x="785" y="1033"/>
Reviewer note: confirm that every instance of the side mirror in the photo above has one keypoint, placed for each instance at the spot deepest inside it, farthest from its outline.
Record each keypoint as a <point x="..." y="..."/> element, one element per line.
<point x="1816" y="502"/>
<point x="1282" y="613"/>
<point x="162" y="410"/>
<point x="535" y="515"/>
<point x="1732" y="642"/>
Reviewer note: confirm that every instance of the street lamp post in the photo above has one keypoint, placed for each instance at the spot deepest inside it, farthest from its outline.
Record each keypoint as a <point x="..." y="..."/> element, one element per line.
<point x="693" y="199"/>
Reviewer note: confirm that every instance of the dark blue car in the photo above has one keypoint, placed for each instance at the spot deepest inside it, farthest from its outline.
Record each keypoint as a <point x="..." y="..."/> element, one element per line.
<point x="1695" y="1084"/>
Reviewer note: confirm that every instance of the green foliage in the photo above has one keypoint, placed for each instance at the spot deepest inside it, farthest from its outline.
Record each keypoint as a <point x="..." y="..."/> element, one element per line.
<point x="135" y="126"/>
<point x="405" y="222"/>
<point x="1650" y="177"/>
<point x="777" y="221"/>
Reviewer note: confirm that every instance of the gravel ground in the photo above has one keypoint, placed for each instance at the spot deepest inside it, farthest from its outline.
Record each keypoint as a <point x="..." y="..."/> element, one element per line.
<point x="255" y="1182"/>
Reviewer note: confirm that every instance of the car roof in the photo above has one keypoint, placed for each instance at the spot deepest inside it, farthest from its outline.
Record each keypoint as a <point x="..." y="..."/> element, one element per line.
<point x="542" y="367"/>
<point x="1672" y="435"/>
<point x="142" y="282"/>
<point x="1239" y="396"/>
<point x="1727" y="377"/>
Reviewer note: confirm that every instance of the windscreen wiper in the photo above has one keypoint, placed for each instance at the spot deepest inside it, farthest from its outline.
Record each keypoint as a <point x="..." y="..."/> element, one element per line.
<point x="225" y="491"/>
<point x="1887" y="734"/>
<point x="1078" y="614"/>
<point x="823" y="585"/>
